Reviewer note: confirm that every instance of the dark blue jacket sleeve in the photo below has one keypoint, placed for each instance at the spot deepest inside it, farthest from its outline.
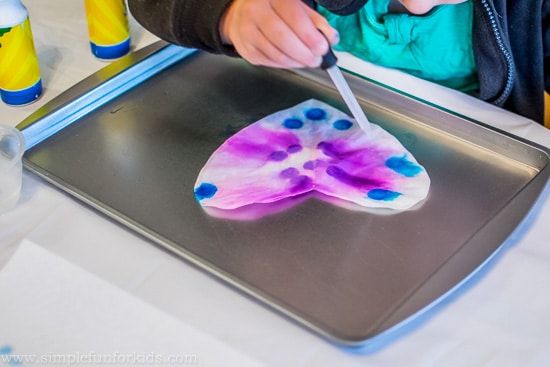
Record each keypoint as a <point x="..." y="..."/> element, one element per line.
<point x="189" y="23"/>
<point x="546" y="42"/>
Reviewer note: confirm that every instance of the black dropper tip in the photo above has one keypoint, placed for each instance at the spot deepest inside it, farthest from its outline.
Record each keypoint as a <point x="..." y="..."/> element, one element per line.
<point x="329" y="59"/>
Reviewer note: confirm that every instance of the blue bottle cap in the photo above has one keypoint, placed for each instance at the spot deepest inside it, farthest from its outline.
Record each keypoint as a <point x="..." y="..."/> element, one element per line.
<point x="112" y="51"/>
<point x="23" y="96"/>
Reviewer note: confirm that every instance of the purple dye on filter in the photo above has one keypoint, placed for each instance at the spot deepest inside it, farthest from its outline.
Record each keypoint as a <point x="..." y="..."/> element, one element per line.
<point x="278" y="156"/>
<point x="308" y="148"/>
<point x="301" y="183"/>
<point x="289" y="172"/>
<point x="247" y="144"/>
<point x="328" y="149"/>
<point x="248" y="148"/>
<point x="355" y="181"/>
<point x="295" y="148"/>
<point x="310" y="165"/>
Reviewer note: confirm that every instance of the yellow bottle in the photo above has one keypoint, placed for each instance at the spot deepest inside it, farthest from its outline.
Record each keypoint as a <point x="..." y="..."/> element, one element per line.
<point x="108" y="28"/>
<point x="20" y="81"/>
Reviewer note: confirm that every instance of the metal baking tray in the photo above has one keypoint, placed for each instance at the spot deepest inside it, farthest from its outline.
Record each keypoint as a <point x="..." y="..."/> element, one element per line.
<point x="131" y="139"/>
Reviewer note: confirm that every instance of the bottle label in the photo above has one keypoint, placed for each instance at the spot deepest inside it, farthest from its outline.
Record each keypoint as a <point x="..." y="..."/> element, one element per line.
<point x="107" y="22"/>
<point x="19" y="67"/>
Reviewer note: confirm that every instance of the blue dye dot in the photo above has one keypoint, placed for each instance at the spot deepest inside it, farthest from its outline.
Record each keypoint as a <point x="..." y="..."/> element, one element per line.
<point x="383" y="195"/>
<point x="295" y="148"/>
<point x="316" y="114"/>
<point x="278" y="155"/>
<point x="342" y="124"/>
<point x="205" y="191"/>
<point x="293" y="123"/>
<point x="289" y="172"/>
<point x="403" y="166"/>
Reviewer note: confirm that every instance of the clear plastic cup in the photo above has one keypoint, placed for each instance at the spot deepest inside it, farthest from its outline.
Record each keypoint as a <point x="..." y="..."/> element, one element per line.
<point x="12" y="147"/>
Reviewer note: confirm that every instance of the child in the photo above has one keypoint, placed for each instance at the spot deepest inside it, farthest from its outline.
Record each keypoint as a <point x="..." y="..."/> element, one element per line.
<point x="503" y="45"/>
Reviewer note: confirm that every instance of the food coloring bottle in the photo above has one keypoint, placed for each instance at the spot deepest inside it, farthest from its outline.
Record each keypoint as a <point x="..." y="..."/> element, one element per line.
<point x="108" y="28"/>
<point x="20" y="81"/>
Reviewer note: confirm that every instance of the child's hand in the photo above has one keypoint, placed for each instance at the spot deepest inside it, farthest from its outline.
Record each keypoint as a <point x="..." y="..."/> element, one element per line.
<point x="277" y="33"/>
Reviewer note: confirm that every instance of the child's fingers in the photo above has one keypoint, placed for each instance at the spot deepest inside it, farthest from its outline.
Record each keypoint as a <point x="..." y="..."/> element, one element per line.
<point x="323" y="25"/>
<point x="263" y="52"/>
<point x="302" y="21"/>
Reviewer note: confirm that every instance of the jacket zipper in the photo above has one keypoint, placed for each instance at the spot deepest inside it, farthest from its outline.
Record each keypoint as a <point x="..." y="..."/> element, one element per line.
<point x="510" y="74"/>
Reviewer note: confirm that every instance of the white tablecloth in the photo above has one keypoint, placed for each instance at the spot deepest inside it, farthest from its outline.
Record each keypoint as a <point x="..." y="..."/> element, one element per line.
<point x="500" y="319"/>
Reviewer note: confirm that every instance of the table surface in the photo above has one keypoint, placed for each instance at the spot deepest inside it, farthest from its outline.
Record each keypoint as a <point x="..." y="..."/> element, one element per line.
<point x="500" y="318"/>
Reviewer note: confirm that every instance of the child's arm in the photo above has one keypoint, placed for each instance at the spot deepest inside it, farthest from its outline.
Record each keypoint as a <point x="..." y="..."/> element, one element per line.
<point x="546" y="47"/>
<point x="186" y="23"/>
<point x="546" y="43"/>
